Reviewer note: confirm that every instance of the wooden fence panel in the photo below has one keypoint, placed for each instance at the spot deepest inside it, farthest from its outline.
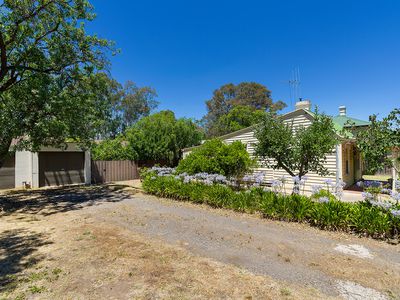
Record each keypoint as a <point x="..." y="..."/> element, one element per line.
<point x="117" y="170"/>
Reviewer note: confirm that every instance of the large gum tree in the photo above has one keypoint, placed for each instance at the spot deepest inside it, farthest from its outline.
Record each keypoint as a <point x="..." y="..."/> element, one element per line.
<point x="48" y="66"/>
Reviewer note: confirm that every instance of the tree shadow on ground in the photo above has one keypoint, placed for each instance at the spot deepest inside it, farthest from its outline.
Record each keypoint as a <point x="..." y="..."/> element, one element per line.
<point x="18" y="251"/>
<point x="50" y="201"/>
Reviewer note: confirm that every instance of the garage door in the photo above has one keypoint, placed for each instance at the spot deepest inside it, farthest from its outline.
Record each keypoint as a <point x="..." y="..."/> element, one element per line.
<point x="61" y="168"/>
<point x="7" y="174"/>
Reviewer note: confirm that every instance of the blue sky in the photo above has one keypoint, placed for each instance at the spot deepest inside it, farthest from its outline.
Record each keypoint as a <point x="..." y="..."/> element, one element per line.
<point x="348" y="52"/>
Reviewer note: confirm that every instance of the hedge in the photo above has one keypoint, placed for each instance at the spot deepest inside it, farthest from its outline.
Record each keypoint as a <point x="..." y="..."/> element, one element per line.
<point x="361" y="217"/>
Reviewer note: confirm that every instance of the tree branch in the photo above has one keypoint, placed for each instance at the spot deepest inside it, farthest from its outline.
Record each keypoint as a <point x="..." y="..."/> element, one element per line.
<point x="32" y="14"/>
<point x="283" y="166"/>
<point x="8" y="83"/>
<point x="3" y="58"/>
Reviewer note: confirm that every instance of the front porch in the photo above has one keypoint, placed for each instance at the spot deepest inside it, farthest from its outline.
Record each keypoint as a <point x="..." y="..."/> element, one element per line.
<point x="351" y="165"/>
<point x="353" y="169"/>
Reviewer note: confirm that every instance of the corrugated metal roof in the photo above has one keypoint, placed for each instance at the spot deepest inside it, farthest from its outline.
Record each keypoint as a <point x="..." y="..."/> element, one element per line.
<point x="345" y="121"/>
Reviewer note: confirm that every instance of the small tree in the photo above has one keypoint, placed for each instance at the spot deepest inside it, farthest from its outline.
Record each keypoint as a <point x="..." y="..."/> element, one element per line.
<point x="379" y="145"/>
<point x="297" y="150"/>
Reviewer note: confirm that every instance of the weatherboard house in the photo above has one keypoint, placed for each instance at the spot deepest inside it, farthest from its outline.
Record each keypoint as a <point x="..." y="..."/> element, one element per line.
<point x="344" y="162"/>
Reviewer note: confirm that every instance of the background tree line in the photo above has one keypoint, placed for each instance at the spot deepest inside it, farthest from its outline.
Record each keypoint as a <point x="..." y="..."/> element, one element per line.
<point x="55" y="86"/>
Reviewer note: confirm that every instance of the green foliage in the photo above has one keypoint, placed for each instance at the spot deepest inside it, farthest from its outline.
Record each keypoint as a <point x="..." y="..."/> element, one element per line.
<point x="49" y="89"/>
<point x="47" y="112"/>
<point x="129" y="103"/>
<point x="112" y="149"/>
<point x="217" y="157"/>
<point x="239" y="117"/>
<point x="332" y="215"/>
<point x="296" y="150"/>
<point x="162" y="137"/>
<point x="362" y="217"/>
<point x="377" y="143"/>
<point x="47" y="37"/>
<point x="282" y="207"/>
<point x="254" y="96"/>
<point x="323" y="193"/>
<point x="373" y="221"/>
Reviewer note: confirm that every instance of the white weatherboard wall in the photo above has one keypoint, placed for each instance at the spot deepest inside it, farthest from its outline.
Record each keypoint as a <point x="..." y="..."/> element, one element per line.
<point x="88" y="168"/>
<point x="297" y="118"/>
<point x="23" y="168"/>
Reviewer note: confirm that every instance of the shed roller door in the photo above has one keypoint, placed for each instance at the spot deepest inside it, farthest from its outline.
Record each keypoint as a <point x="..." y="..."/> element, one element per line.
<point x="61" y="168"/>
<point x="7" y="174"/>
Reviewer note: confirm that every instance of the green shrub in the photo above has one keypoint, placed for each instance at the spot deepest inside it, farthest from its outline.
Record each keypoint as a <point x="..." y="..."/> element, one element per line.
<point x="161" y="136"/>
<point x="332" y="214"/>
<point x="323" y="193"/>
<point x="113" y="149"/>
<point x="216" y="157"/>
<point x="371" y="220"/>
<point x="283" y="207"/>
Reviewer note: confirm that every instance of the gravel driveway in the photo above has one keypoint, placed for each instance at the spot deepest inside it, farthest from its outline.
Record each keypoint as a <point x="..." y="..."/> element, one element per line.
<point x="334" y="263"/>
<point x="330" y="263"/>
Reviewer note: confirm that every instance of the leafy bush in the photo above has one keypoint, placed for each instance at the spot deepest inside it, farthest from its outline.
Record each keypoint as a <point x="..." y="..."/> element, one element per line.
<point x="113" y="149"/>
<point x="216" y="157"/>
<point x="162" y="136"/>
<point x="324" y="212"/>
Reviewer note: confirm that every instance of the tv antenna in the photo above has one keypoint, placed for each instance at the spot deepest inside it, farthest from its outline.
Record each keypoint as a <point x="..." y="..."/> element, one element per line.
<point x="294" y="82"/>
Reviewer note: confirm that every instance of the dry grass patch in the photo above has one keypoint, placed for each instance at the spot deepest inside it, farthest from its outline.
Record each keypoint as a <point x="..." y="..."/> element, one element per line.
<point x="98" y="261"/>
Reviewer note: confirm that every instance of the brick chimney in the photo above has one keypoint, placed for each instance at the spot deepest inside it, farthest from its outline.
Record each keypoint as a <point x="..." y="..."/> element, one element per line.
<point x="303" y="104"/>
<point x="342" y="110"/>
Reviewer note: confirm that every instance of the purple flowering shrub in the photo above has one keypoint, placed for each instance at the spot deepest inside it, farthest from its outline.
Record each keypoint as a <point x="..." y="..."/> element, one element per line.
<point x="252" y="180"/>
<point x="375" y="187"/>
<point x="203" y="177"/>
<point x="330" y="189"/>
<point x="373" y="194"/>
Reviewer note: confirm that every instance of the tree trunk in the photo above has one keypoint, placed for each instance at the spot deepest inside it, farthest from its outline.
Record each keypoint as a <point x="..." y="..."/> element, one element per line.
<point x="4" y="150"/>
<point x="296" y="188"/>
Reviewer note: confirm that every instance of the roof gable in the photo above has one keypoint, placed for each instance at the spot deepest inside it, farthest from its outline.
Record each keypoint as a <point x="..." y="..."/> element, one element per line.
<point x="339" y="122"/>
<point x="298" y="112"/>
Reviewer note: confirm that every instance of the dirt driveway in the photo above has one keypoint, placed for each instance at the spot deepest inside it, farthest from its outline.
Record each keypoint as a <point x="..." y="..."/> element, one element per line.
<point x="108" y="243"/>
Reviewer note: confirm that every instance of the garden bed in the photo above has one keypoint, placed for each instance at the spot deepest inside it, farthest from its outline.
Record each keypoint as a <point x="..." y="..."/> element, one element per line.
<point x="365" y="218"/>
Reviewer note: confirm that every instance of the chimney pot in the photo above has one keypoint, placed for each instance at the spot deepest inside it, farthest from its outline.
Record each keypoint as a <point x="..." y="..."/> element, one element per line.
<point x="303" y="104"/>
<point x="342" y="110"/>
